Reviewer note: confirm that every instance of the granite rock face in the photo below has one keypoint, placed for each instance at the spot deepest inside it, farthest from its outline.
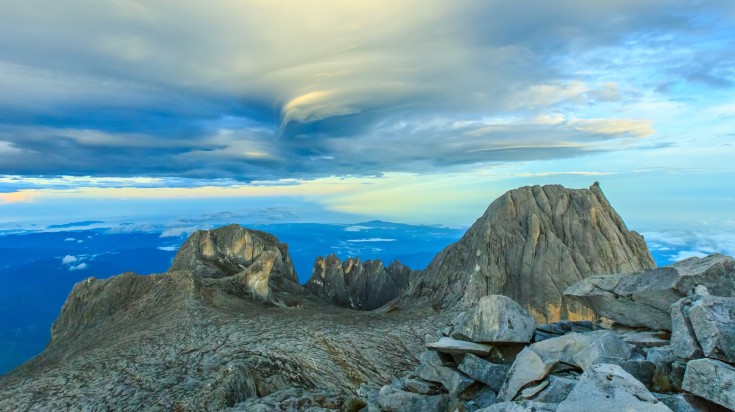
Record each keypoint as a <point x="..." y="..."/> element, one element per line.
<point x="245" y="261"/>
<point x="712" y="380"/>
<point x="644" y="299"/>
<point x="531" y="244"/>
<point x="496" y="319"/>
<point x="357" y="285"/>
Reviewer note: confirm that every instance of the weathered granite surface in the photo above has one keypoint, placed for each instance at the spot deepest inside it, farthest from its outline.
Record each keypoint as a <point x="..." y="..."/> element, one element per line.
<point x="531" y="244"/>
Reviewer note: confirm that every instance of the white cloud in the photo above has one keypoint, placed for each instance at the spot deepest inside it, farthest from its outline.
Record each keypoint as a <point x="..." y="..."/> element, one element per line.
<point x="356" y="228"/>
<point x="69" y="239"/>
<point x="179" y="231"/>
<point x="168" y="248"/>
<point x="80" y="266"/>
<point x="372" y="239"/>
<point x="68" y="259"/>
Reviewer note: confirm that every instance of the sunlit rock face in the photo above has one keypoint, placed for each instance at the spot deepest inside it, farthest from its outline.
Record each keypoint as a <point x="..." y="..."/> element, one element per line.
<point x="530" y="245"/>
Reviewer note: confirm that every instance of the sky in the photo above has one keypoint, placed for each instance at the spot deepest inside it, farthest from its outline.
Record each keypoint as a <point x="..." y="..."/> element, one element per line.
<point x="415" y="111"/>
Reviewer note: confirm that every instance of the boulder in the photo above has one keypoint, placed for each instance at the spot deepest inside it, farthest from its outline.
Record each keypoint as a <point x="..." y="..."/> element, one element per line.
<point x="491" y="374"/>
<point x="681" y="402"/>
<point x="420" y="386"/>
<point x="459" y="347"/>
<point x="565" y="348"/>
<point x="531" y="244"/>
<point x="523" y="406"/>
<point x="605" y="388"/>
<point x="712" y="319"/>
<point x="712" y="380"/>
<point x="640" y="369"/>
<point x="683" y="341"/>
<point x="454" y="381"/>
<point x="528" y="367"/>
<point x="392" y="399"/>
<point x="556" y="329"/>
<point x="495" y="319"/>
<point x="644" y="299"/>
<point x="607" y="348"/>
<point x="669" y="370"/>
<point x="557" y="390"/>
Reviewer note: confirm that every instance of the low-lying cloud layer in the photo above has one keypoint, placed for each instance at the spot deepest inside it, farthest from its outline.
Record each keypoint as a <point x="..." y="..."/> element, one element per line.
<point x="266" y="90"/>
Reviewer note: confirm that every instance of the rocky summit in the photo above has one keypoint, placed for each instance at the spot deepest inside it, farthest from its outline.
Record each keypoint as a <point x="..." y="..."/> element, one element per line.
<point x="548" y="303"/>
<point x="531" y="244"/>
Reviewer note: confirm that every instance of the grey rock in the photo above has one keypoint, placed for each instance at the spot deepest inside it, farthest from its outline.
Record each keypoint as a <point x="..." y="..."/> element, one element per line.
<point x="485" y="397"/>
<point x="607" y="348"/>
<point x="606" y="388"/>
<point x="644" y="299"/>
<point x="643" y="338"/>
<point x="712" y="380"/>
<point x="528" y="367"/>
<point x="681" y="402"/>
<point x="668" y="372"/>
<point x="392" y="399"/>
<point x="459" y="347"/>
<point x="355" y="284"/>
<point x="491" y="374"/>
<point x="454" y="381"/>
<point x="564" y="348"/>
<point x="642" y="370"/>
<point x="713" y="320"/>
<point x="530" y="244"/>
<point x="529" y="392"/>
<point x="556" y="329"/>
<point x="683" y="341"/>
<point x="496" y="319"/>
<point x="522" y="406"/>
<point x="421" y="386"/>
<point x="558" y="389"/>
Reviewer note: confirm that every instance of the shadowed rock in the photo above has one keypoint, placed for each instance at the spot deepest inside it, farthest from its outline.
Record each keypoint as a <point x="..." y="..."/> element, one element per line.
<point x="531" y="244"/>
<point x="357" y="285"/>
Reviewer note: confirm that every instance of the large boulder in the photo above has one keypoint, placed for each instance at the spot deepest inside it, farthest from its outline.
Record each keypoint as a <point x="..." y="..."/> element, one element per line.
<point x="459" y="347"/>
<point x="531" y="244"/>
<point x="392" y="399"/>
<point x="713" y="321"/>
<point x="644" y="299"/>
<point x="712" y="380"/>
<point x="495" y="319"/>
<point x="528" y="367"/>
<point x="491" y="374"/>
<point x="355" y="284"/>
<point x="605" y="388"/>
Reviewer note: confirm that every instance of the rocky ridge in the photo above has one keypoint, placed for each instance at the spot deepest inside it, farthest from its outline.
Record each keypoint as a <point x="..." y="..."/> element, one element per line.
<point x="228" y="328"/>
<point x="355" y="284"/>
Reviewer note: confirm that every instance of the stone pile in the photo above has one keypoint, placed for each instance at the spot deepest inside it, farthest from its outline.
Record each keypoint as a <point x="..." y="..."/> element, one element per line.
<point x="493" y="358"/>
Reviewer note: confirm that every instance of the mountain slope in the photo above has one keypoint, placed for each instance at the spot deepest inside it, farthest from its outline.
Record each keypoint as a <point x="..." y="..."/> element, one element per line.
<point x="530" y="245"/>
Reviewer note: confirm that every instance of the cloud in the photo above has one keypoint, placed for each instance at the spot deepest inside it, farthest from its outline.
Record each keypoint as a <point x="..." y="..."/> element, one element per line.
<point x="253" y="90"/>
<point x="372" y="239"/>
<point x="68" y="259"/>
<point x="80" y="266"/>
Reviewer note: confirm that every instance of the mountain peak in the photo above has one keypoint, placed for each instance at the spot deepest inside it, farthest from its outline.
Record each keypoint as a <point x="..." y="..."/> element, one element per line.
<point x="531" y="244"/>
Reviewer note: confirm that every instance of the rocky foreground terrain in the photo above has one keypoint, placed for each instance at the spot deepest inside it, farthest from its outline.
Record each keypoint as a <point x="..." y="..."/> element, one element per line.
<point x="548" y="303"/>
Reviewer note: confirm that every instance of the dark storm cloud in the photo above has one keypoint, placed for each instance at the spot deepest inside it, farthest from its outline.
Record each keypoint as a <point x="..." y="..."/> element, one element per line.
<point x="253" y="90"/>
